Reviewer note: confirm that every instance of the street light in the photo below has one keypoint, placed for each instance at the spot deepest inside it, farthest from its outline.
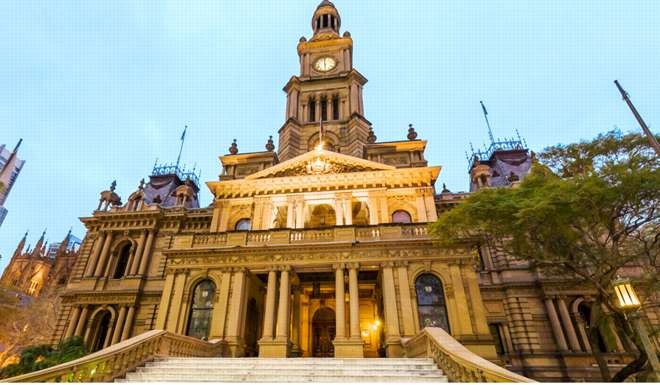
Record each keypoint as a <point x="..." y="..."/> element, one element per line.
<point x="628" y="300"/>
<point x="630" y="304"/>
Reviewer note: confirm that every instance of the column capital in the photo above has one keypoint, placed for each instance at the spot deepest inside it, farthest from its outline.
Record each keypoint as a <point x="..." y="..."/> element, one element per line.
<point x="338" y="266"/>
<point x="389" y="264"/>
<point x="353" y="265"/>
<point x="285" y="268"/>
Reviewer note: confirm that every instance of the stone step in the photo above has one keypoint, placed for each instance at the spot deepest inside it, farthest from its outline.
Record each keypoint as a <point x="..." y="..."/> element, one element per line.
<point x="287" y="371"/>
<point x="136" y="377"/>
<point x="216" y="369"/>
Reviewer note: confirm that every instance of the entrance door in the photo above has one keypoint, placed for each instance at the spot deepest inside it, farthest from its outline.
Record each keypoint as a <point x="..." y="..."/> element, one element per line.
<point x="323" y="333"/>
<point x="252" y="329"/>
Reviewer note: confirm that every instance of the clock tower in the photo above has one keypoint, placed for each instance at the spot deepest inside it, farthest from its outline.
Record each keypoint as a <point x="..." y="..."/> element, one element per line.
<point x="328" y="90"/>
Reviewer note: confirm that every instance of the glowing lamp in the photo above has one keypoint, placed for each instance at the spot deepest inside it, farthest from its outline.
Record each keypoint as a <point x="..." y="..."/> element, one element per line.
<point x="626" y="295"/>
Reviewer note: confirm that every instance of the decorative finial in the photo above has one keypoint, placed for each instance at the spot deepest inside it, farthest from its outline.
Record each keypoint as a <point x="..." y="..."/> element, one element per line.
<point x="269" y="145"/>
<point x="445" y="189"/>
<point x="141" y="186"/>
<point x="113" y="185"/>
<point x="412" y="135"/>
<point x="372" y="136"/>
<point x="234" y="148"/>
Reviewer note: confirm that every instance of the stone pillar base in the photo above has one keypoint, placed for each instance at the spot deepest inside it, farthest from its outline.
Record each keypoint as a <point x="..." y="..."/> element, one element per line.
<point x="236" y="348"/>
<point x="348" y="348"/>
<point x="274" y="349"/>
<point x="393" y="347"/>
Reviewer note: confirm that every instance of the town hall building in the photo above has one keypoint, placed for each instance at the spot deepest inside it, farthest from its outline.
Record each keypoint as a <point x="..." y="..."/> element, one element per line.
<point x="320" y="248"/>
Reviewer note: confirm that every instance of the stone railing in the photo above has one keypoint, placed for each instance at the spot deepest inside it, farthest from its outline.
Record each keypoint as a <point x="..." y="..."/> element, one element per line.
<point x="115" y="361"/>
<point x="297" y="236"/>
<point x="458" y="363"/>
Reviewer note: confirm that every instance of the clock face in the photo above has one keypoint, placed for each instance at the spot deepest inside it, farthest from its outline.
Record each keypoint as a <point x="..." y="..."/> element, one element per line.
<point x="325" y="64"/>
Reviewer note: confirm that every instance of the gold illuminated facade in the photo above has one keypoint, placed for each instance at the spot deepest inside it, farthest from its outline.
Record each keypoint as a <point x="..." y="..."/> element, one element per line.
<point x="319" y="249"/>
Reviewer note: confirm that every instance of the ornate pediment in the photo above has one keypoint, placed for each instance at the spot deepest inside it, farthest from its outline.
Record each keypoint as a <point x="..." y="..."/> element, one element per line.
<point x="319" y="162"/>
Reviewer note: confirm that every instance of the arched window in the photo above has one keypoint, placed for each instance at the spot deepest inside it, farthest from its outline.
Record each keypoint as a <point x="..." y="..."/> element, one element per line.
<point x="335" y="108"/>
<point x="200" y="311"/>
<point x="431" y="305"/>
<point x="122" y="261"/>
<point x="312" y="111"/>
<point x="244" y="224"/>
<point x="401" y="216"/>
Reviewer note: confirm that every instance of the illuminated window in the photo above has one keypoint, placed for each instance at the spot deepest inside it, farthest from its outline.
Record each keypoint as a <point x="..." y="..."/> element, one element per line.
<point x="401" y="216"/>
<point x="201" y="310"/>
<point x="431" y="305"/>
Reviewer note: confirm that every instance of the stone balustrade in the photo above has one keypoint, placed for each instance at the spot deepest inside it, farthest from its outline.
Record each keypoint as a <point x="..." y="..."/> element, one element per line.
<point x="113" y="362"/>
<point x="299" y="236"/>
<point x="457" y="362"/>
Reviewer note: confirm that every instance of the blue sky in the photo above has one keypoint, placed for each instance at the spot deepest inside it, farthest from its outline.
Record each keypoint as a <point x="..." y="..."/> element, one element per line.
<point x="99" y="90"/>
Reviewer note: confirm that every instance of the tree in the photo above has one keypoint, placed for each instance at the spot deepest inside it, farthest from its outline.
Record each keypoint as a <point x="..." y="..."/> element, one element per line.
<point x="585" y="211"/>
<point x="25" y="321"/>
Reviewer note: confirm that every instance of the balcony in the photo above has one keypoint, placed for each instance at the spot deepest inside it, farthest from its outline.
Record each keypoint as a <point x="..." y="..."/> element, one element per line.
<point x="279" y="237"/>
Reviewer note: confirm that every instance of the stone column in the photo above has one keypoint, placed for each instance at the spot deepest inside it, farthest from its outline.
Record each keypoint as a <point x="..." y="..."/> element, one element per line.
<point x="354" y="302"/>
<point x="119" y="325"/>
<point x="146" y="256"/>
<point x="164" y="307"/>
<point x="219" y="316"/>
<point x="269" y="315"/>
<point x="340" y="305"/>
<point x="175" y="307"/>
<point x="93" y="258"/>
<point x="100" y="266"/>
<point x="73" y="322"/>
<point x="568" y="325"/>
<point x="556" y="326"/>
<point x="373" y="210"/>
<point x="339" y="212"/>
<point x="406" y="301"/>
<point x="392" y="335"/>
<point x="128" y="324"/>
<point x="138" y="254"/>
<point x="421" y="208"/>
<point x="300" y="213"/>
<point x="290" y="215"/>
<point x="348" y="210"/>
<point x="82" y="321"/>
<point x="462" y="308"/>
<point x="282" y="333"/>
<point x="237" y="308"/>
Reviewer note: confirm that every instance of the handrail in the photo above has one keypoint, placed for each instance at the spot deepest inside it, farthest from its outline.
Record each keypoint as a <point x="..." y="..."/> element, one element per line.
<point x="115" y="361"/>
<point x="458" y="363"/>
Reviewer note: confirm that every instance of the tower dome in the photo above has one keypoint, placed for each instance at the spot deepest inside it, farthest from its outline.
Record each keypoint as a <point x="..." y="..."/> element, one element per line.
<point x="326" y="19"/>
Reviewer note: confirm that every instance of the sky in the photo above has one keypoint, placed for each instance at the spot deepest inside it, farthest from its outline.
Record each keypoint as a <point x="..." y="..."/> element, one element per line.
<point x="99" y="90"/>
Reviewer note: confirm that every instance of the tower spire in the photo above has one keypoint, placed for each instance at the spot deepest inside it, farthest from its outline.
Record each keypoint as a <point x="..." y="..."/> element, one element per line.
<point x="490" y="131"/>
<point x="20" y="246"/>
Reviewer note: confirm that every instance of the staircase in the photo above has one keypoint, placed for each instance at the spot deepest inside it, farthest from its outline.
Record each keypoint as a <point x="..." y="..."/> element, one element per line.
<point x="288" y="370"/>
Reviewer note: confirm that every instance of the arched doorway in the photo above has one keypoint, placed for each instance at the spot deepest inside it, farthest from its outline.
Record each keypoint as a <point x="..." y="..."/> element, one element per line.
<point x="321" y="216"/>
<point x="252" y="329"/>
<point x="431" y="306"/>
<point x="201" y="310"/>
<point x="323" y="333"/>
<point x="101" y="328"/>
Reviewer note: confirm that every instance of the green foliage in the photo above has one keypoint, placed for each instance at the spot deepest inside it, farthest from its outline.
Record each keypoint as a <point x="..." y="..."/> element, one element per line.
<point x="40" y="357"/>
<point x="589" y="210"/>
<point x="584" y="211"/>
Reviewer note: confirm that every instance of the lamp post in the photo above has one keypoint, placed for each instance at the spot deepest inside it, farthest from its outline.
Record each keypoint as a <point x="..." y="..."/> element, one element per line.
<point x="630" y="304"/>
